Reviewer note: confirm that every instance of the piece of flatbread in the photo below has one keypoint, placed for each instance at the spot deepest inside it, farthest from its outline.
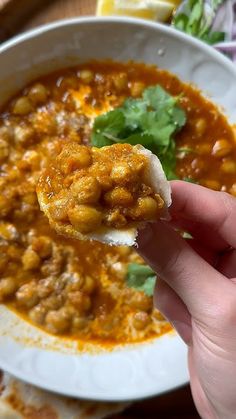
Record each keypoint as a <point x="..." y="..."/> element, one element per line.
<point x="156" y="178"/>
<point x="23" y="401"/>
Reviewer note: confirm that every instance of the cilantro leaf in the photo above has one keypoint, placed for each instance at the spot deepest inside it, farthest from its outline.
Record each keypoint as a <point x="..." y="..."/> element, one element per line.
<point x="141" y="277"/>
<point x="151" y="121"/>
<point x="158" y="98"/>
<point x="196" y="18"/>
<point x="168" y="160"/>
<point x="133" y="109"/>
<point x="157" y="127"/>
<point x="180" y="22"/>
<point x="194" y="22"/>
<point x="108" y="123"/>
<point x="213" y="37"/>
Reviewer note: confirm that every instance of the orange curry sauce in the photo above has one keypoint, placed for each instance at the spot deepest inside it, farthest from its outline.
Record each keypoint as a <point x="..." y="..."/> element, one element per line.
<point x="72" y="288"/>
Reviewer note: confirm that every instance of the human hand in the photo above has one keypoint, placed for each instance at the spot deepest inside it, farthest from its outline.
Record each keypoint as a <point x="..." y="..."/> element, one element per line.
<point x="197" y="292"/>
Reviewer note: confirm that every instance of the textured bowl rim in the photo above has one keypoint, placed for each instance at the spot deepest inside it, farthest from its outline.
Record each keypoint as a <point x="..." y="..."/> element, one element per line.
<point x="32" y="33"/>
<point x="90" y="20"/>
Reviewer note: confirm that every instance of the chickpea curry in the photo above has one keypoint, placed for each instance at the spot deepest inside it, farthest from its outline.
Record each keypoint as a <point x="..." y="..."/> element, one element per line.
<point x="86" y="189"/>
<point x="78" y="288"/>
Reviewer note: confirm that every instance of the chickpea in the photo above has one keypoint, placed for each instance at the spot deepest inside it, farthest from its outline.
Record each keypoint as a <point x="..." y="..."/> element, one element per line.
<point x="118" y="196"/>
<point x="86" y="76"/>
<point x="44" y="123"/>
<point x="145" y="209"/>
<point x="124" y="250"/>
<point x="75" y="283"/>
<point x="104" y="180"/>
<point x="37" y="314"/>
<point x="79" y="322"/>
<point x="54" y="265"/>
<point x="138" y="163"/>
<point x="22" y="106"/>
<point x="24" y="135"/>
<point x="43" y="246"/>
<point x="73" y="136"/>
<point x="68" y="82"/>
<point x="204" y="148"/>
<point x="8" y="232"/>
<point x="74" y="156"/>
<point x="198" y="166"/>
<point x="58" y="321"/>
<point x="54" y="302"/>
<point x="211" y="184"/>
<point x="38" y="94"/>
<point x="89" y="285"/>
<point x="6" y="133"/>
<point x="141" y="320"/>
<point x="14" y="253"/>
<point x="136" y="88"/>
<point x="58" y="210"/>
<point x="30" y="259"/>
<point x="5" y="206"/>
<point x="119" y="269"/>
<point x="233" y="189"/>
<point x="158" y="316"/>
<point x="45" y="287"/>
<point x="4" y="150"/>
<point x="86" y="190"/>
<point x="221" y="148"/>
<point x="27" y="295"/>
<point x="115" y="219"/>
<point x="7" y="288"/>
<point x="30" y="198"/>
<point x="228" y="166"/>
<point x="13" y="174"/>
<point x="80" y="301"/>
<point x="85" y="218"/>
<point x="140" y="301"/>
<point x="200" y="126"/>
<point x="159" y="201"/>
<point x="122" y="173"/>
<point x="31" y="159"/>
<point x="120" y="81"/>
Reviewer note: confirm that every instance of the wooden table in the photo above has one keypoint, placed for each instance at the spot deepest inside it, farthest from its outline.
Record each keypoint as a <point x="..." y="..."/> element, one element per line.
<point x="17" y="16"/>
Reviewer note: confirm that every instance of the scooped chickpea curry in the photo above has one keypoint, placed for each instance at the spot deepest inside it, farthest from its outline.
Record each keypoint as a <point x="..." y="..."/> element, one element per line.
<point x="86" y="189"/>
<point x="74" y="288"/>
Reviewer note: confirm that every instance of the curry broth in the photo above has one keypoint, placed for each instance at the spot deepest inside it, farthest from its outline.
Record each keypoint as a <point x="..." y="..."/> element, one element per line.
<point x="73" y="288"/>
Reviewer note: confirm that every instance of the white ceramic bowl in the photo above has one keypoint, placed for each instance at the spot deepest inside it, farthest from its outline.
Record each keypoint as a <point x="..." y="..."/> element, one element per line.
<point x="130" y="372"/>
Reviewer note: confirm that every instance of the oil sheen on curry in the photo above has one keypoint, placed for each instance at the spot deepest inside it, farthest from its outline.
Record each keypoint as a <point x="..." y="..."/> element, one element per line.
<point x="78" y="289"/>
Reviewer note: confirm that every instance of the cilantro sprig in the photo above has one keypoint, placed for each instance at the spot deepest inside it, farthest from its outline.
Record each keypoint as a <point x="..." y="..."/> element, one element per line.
<point x="194" y="19"/>
<point x="152" y="121"/>
<point x="141" y="277"/>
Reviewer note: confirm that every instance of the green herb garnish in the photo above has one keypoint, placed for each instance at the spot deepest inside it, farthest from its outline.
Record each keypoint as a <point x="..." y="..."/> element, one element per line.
<point x="196" y="22"/>
<point x="151" y="121"/>
<point x="141" y="277"/>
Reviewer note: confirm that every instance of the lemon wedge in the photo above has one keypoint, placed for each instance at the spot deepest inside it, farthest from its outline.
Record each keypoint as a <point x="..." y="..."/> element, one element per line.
<point x="159" y="10"/>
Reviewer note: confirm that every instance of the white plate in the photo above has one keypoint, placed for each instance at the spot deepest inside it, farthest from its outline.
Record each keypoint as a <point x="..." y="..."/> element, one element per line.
<point x="131" y="372"/>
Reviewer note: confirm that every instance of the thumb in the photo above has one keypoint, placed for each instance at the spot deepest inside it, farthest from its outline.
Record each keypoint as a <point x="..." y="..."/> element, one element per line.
<point x="170" y="256"/>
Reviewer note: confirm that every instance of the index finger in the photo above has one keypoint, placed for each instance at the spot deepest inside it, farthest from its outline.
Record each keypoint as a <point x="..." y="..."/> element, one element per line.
<point x="208" y="215"/>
